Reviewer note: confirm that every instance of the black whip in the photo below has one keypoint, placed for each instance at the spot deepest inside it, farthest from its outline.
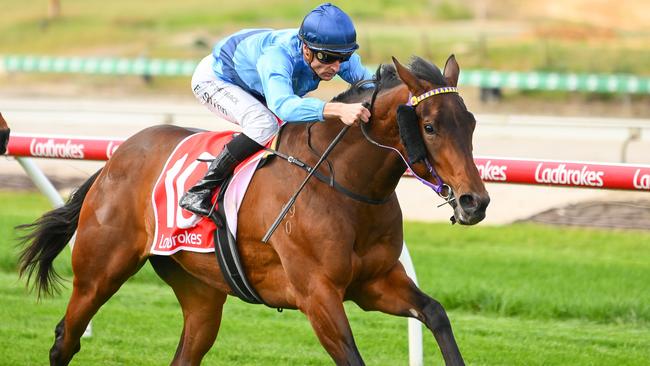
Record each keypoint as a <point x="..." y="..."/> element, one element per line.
<point x="291" y="201"/>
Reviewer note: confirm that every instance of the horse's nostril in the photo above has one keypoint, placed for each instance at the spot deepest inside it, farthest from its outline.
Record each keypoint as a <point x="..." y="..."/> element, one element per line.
<point x="468" y="202"/>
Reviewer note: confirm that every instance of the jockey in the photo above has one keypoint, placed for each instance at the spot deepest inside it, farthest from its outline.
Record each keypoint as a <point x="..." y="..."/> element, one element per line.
<point x="256" y="74"/>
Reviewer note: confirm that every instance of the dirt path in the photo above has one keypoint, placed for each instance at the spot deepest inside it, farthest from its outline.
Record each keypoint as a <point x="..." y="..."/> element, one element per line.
<point x="614" y="214"/>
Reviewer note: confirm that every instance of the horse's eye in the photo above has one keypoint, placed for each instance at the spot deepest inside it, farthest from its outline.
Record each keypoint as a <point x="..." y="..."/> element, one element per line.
<point x="428" y="128"/>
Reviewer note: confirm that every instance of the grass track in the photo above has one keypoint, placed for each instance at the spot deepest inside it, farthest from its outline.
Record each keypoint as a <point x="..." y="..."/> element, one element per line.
<point x="516" y="295"/>
<point x="141" y="325"/>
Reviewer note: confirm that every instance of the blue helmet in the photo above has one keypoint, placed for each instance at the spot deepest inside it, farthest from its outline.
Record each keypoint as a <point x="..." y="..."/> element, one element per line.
<point x="328" y="28"/>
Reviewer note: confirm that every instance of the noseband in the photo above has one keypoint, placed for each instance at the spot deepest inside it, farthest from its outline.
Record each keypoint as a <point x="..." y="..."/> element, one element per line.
<point x="411" y="135"/>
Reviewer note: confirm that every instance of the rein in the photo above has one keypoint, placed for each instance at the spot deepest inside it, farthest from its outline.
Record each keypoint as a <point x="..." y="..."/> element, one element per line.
<point x="331" y="181"/>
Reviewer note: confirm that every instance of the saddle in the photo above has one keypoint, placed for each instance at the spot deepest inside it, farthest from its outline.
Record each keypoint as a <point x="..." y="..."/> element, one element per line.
<point x="177" y="229"/>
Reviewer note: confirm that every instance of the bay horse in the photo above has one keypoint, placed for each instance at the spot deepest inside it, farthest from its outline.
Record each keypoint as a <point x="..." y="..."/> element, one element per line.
<point x="338" y="249"/>
<point x="4" y="135"/>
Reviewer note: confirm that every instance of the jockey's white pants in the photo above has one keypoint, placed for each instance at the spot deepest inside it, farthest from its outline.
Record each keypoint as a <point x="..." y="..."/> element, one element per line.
<point x="232" y="103"/>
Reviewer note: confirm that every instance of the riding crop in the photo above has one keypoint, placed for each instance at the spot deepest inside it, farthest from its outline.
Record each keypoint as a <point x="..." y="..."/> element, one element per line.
<point x="292" y="200"/>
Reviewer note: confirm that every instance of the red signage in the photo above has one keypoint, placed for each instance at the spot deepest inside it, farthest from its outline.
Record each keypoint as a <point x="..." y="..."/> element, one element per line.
<point x="565" y="173"/>
<point x="500" y="170"/>
<point x="58" y="147"/>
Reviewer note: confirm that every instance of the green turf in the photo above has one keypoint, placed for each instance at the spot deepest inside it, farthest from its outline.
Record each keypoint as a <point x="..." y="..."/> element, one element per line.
<point x="141" y="325"/>
<point x="536" y="271"/>
<point x="516" y="295"/>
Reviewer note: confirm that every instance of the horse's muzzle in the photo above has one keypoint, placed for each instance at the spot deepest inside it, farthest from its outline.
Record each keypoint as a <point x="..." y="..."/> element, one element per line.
<point x="471" y="208"/>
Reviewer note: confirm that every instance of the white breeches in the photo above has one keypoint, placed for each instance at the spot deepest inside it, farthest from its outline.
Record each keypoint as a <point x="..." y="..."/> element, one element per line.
<point x="233" y="103"/>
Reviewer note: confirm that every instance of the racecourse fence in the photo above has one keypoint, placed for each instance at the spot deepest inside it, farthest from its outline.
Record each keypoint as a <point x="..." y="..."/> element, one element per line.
<point x="485" y="79"/>
<point x="635" y="177"/>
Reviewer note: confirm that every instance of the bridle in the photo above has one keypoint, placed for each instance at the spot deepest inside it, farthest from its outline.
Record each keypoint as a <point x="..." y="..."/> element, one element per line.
<point x="442" y="189"/>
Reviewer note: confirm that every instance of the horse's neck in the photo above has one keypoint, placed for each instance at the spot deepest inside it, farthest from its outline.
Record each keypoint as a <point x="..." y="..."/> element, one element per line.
<point x="380" y="168"/>
<point x="358" y="165"/>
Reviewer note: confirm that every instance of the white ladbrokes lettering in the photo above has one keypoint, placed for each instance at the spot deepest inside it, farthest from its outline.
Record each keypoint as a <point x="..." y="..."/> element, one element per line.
<point x="182" y="238"/>
<point x="562" y="175"/>
<point x="110" y="149"/>
<point x="641" y="181"/>
<point x="51" y="149"/>
<point x="492" y="172"/>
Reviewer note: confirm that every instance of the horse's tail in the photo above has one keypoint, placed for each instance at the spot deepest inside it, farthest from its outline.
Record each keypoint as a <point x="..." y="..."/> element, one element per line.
<point x="47" y="237"/>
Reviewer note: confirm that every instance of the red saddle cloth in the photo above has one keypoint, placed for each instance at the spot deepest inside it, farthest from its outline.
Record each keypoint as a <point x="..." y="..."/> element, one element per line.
<point x="176" y="228"/>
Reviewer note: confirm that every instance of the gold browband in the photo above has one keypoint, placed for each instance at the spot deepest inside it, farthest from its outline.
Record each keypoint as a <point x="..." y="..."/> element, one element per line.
<point x="415" y="100"/>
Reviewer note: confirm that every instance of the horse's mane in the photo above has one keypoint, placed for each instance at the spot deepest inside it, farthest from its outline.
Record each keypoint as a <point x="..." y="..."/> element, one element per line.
<point x="421" y="68"/>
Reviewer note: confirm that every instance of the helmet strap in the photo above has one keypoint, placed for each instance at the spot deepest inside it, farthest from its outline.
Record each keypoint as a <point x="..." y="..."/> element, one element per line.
<point x="310" y="59"/>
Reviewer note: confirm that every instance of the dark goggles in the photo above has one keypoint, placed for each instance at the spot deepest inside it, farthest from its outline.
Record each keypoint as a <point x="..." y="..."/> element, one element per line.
<point x="326" y="57"/>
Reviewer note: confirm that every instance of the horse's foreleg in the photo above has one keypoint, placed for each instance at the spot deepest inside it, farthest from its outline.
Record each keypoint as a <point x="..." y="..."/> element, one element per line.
<point x="323" y="307"/>
<point x="396" y="294"/>
<point x="202" y="306"/>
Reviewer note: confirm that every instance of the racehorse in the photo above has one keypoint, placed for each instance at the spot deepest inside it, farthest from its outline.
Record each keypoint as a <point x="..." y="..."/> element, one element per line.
<point x="4" y="135"/>
<point x="339" y="248"/>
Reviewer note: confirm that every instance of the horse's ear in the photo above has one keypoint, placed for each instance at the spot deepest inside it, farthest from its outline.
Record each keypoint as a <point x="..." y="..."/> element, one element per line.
<point x="407" y="77"/>
<point x="452" y="70"/>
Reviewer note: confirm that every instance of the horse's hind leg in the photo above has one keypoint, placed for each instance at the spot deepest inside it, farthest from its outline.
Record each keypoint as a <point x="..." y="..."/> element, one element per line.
<point x="100" y="267"/>
<point x="202" y="306"/>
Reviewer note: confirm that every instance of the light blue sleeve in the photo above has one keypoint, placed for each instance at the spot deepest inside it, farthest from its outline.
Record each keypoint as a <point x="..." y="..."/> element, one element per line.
<point x="353" y="71"/>
<point x="275" y="71"/>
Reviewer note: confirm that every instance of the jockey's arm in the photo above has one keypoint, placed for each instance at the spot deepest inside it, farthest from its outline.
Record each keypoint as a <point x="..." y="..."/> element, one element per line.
<point x="347" y="113"/>
<point x="275" y="74"/>
<point x="352" y="72"/>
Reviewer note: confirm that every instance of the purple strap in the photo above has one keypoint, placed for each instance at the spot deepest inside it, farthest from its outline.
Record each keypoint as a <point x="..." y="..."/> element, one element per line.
<point x="437" y="187"/>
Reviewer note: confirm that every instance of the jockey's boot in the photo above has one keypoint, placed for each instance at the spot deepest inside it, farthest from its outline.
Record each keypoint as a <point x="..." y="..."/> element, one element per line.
<point x="198" y="199"/>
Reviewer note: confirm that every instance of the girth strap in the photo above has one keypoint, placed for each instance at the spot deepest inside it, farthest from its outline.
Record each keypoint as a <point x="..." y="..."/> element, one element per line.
<point x="228" y="255"/>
